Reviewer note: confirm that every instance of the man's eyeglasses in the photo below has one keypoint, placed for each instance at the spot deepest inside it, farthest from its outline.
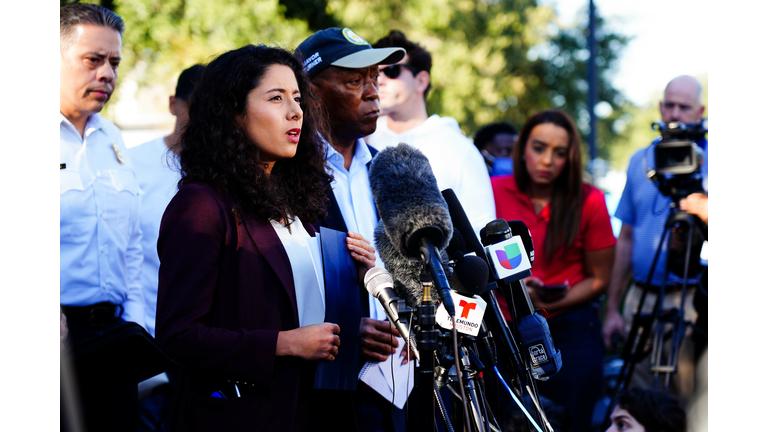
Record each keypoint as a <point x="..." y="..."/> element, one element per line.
<point x="393" y="71"/>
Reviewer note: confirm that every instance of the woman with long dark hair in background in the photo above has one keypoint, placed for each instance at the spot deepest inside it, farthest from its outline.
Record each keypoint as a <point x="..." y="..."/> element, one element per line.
<point x="574" y="247"/>
<point x="237" y="282"/>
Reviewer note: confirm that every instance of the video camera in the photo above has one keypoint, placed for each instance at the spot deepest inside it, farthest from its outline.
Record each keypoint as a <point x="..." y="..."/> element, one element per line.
<point x="678" y="159"/>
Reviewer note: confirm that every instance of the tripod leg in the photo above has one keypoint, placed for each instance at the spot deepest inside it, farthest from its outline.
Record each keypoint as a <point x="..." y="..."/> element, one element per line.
<point x="666" y="366"/>
<point x="638" y="334"/>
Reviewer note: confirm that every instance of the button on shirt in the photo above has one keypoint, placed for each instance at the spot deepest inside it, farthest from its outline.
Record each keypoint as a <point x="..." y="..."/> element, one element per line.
<point x="352" y="191"/>
<point x="646" y="209"/>
<point x="100" y="236"/>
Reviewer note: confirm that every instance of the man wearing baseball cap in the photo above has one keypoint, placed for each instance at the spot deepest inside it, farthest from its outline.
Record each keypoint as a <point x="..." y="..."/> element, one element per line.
<point x="343" y="69"/>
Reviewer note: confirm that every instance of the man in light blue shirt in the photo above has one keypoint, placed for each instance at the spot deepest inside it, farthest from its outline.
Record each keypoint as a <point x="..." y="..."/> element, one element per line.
<point x="643" y="211"/>
<point x="100" y="238"/>
<point x="157" y="168"/>
<point x="156" y="165"/>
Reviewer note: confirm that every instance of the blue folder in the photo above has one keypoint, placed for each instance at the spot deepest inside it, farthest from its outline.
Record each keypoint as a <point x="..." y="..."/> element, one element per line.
<point x="342" y="306"/>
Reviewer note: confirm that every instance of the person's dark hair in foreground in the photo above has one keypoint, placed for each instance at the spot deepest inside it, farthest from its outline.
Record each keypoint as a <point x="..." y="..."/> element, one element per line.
<point x="235" y="266"/>
<point x="216" y="151"/>
<point x="648" y="410"/>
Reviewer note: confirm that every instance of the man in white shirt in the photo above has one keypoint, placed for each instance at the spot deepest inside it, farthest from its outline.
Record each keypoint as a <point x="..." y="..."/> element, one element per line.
<point x="156" y="164"/>
<point x="342" y="67"/>
<point x="99" y="232"/>
<point x="455" y="161"/>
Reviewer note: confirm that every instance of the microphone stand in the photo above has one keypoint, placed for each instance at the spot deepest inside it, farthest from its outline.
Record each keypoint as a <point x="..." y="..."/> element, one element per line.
<point x="427" y="344"/>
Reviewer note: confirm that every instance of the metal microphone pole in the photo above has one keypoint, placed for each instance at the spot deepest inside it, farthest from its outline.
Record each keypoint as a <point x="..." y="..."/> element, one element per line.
<point x="427" y="344"/>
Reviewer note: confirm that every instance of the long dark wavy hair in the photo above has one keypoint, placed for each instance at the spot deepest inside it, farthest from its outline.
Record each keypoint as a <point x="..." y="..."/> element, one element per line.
<point x="216" y="151"/>
<point x="566" y="201"/>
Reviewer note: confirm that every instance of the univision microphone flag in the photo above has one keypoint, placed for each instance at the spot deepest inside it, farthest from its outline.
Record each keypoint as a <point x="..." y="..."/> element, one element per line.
<point x="510" y="260"/>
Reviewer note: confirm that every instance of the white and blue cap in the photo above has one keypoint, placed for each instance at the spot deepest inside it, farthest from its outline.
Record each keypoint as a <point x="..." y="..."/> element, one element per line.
<point x="342" y="48"/>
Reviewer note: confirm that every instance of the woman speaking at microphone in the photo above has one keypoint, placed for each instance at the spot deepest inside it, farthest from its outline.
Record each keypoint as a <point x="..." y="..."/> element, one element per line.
<point x="238" y="294"/>
<point x="574" y="245"/>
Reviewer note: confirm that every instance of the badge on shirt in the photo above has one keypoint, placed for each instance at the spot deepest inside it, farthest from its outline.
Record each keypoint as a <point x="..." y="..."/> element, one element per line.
<point x="117" y="153"/>
<point x="62" y="166"/>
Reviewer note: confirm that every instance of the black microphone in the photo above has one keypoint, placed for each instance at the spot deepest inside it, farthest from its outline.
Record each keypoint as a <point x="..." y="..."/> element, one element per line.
<point x="470" y="275"/>
<point x="510" y="265"/>
<point x="493" y="319"/>
<point x="379" y="284"/>
<point x="462" y="225"/>
<point x="507" y="264"/>
<point x="520" y="229"/>
<point x="413" y="214"/>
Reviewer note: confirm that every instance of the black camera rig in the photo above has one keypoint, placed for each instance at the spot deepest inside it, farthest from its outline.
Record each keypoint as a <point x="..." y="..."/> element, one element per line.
<point x="678" y="159"/>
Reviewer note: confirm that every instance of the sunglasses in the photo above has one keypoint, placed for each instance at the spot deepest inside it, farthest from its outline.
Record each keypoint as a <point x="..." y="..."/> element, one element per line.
<point x="393" y="71"/>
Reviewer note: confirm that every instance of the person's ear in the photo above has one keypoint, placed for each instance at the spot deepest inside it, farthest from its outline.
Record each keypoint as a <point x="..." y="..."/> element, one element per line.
<point x="172" y="105"/>
<point x="701" y="111"/>
<point x="422" y="81"/>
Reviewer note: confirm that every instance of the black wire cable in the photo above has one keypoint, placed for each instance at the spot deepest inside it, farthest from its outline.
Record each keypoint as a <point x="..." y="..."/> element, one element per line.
<point x="392" y="371"/>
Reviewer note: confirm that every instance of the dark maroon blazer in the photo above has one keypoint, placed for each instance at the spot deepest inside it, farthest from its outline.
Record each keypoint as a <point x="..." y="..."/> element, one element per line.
<point x="225" y="291"/>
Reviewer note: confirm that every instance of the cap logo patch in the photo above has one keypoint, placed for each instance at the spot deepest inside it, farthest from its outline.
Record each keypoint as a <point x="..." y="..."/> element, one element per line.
<point x="353" y="37"/>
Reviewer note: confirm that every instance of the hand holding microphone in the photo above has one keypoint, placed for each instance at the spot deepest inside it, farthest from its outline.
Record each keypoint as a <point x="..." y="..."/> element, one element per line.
<point x="377" y="339"/>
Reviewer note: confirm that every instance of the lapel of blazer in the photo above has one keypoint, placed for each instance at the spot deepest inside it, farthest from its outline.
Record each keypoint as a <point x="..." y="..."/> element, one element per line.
<point x="266" y="240"/>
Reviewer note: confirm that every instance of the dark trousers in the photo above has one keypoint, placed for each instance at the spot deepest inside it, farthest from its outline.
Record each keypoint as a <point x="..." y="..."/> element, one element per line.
<point x="578" y="385"/>
<point x="100" y="406"/>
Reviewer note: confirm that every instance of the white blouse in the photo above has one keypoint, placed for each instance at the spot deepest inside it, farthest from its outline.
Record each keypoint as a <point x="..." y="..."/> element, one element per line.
<point x="306" y="269"/>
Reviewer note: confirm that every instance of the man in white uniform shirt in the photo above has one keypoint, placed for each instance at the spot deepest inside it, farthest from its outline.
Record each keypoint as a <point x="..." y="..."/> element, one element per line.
<point x="156" y="164"/>
<point x="455" y="161"/>
<point x="100" y="238"/>
<point x="157" y="169"/>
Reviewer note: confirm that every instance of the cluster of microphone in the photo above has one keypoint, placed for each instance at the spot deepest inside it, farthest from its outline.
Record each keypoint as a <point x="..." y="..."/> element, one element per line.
<point x="425" y="234"/>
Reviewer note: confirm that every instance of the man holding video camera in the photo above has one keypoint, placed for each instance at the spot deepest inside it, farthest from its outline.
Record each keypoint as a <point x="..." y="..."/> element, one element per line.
<point x="643" y="211"/>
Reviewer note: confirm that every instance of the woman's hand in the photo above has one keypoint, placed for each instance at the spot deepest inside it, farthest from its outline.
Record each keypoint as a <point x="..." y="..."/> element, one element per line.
<point x="316" y="342"/>
<point x="362" y="252"/>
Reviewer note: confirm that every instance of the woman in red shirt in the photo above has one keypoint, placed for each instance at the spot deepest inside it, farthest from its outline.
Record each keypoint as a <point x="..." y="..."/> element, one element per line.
<point x="574" y="245"/>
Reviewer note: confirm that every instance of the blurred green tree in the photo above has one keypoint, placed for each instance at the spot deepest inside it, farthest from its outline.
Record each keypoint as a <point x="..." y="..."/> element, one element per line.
<point x="492" y="59"/>
<point x="499" y="60"/>
<point x="163" y="37"/>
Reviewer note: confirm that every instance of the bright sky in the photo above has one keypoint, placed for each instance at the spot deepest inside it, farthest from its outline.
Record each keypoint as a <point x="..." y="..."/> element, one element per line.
<point x="668" y="40"/>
